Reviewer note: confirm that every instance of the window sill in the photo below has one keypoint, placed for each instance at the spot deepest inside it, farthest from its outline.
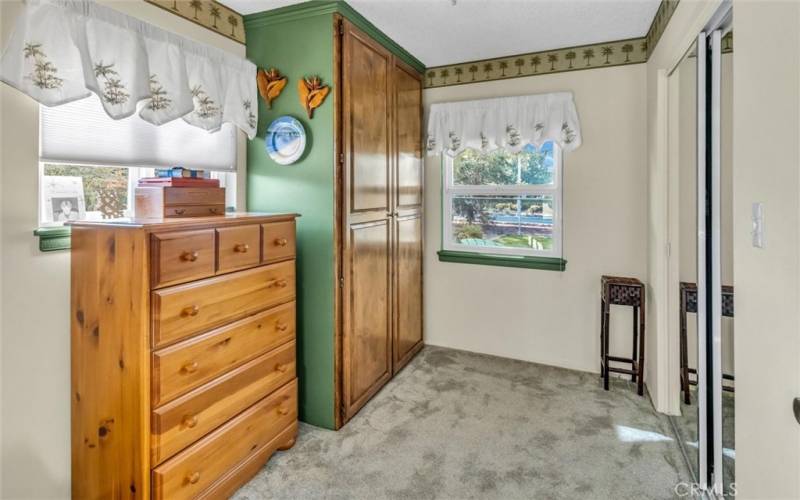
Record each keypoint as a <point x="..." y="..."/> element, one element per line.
<point x="53" y="238"/>
<point x="543" y="263"/>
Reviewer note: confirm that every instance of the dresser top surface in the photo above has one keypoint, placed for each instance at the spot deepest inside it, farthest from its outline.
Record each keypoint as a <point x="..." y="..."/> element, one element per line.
<point x="231" y="218"/>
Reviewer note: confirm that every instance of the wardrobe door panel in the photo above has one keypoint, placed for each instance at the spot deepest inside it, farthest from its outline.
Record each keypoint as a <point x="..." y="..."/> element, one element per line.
<point x="408" y="137"/>
<point x="368" y="340"/>
<point x="366" y="235"/>
<point x="367" y="70"/>
<point x="408" y="289"/>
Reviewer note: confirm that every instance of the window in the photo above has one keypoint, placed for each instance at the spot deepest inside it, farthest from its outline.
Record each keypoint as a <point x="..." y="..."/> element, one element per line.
<point x="90" y="164"/>
<point x="502" y="203"/>
<point x="79" y="192"/>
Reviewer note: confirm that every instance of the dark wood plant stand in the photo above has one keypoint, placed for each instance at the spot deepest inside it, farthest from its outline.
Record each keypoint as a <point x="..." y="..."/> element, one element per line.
<point x="623" y="292"/>
<point x="689" y="305"/>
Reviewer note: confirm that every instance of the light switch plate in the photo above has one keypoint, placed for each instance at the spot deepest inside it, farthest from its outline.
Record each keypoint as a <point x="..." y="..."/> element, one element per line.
<point x="758" y="225"/>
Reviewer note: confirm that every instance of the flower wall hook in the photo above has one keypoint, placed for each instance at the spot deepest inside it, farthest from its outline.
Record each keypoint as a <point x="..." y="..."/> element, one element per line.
<point x="270" y="85"/>
<point x="312" y="93"/>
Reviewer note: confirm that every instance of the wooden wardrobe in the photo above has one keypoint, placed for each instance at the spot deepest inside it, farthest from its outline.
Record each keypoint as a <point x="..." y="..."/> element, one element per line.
<point x="380" y="203"/>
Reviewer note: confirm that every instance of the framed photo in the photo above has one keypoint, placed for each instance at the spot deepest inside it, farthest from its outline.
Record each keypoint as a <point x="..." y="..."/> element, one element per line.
<point x="63" y="199"/>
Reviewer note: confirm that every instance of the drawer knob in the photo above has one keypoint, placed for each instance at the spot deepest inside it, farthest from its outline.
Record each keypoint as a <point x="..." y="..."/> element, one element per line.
<point x="190" y="311"/>
<point x="281" y="327"/>
<point x="241" y="248"/>
<point x="281" y="367"/>
<point x="190" y="367"/>
<point x="283" y="410"/>
<point x="180" y="211"/>
<point x="281" y="242"/>
<point x="277" y="283"/>
<point x="190" y="256"/>
<point x="189" y="421"/>
<point x="193" y="477"/>
<point x="214" y="210"/>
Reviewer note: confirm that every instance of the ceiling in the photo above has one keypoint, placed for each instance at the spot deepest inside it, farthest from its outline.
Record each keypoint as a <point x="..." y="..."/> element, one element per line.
<point x="438" y="32"/>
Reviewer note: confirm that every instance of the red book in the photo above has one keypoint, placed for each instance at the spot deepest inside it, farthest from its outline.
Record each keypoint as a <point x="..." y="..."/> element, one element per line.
<point x="178" y="182"/>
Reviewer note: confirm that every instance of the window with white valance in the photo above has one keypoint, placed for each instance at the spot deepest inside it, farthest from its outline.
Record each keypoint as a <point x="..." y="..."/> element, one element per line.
<point x="502" y="178"/>
<point x="64" y="50"/>
<point x="508" y="123"/>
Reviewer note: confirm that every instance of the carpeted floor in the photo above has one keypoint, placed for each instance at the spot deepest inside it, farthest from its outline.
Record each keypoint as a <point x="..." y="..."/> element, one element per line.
<point x="457" y="425"/>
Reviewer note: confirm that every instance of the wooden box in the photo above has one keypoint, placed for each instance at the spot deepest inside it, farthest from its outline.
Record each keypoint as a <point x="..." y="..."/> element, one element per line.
<point x="157" y="202"/>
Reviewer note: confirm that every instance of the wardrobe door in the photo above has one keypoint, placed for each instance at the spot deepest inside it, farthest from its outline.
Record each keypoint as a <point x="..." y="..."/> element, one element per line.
<point x="367" y="215"/>
<point x="407" y="199"/>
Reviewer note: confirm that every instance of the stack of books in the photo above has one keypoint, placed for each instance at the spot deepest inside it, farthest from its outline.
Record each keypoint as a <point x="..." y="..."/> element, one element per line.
<point x="179" y="177"/>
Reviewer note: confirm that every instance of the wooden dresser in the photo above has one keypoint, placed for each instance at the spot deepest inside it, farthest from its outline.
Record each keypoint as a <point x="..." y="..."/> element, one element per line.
<point x="183" y="354"/>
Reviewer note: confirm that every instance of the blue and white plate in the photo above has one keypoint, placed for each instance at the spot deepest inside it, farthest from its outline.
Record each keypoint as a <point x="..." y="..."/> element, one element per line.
<point x="286" y="140"/>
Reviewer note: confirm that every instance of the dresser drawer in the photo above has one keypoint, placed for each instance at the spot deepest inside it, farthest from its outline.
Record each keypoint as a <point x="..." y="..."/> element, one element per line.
<point x="185" y="310"/>
<point x="194" y="196"/>
<point x="279" y="241"/>
<point x="193" y="470"/>
<point x="235" y="478"/>
<point x="191" y="363"/>
<point x="194" y="210"/>
<point x="182" y="256"/>
<point x="185" y="420"/>
<point x="238" y="247"/>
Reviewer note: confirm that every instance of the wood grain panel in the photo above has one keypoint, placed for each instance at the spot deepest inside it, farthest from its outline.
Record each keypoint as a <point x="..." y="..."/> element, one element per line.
<point x="238" y="247"/>
<point x="367" y="326"/>
<point x="194" y="196"/>
<point x="366" y="115"/>
<point x="182" y="256"/>
<point x="196" y="468"/>
<point x="407" y="144"/>
<point x="408" y="289"/>
<point x="185" y="310"/>
<point x="183" y="421"/>
<point x="110" y="376"/>
<point x="193" y="362"/>
<point x="228" y="484"/>
<point x="278" y="241"/>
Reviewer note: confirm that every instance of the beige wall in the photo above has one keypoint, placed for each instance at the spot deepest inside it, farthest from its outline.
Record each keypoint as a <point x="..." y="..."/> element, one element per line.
<point x="546" y="316"/>
<point x="766" y="165"/>
<point x="34" y="299"/>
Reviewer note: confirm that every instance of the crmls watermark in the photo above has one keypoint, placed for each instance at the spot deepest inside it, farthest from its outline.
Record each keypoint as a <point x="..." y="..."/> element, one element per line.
<point x="694" y="490"/>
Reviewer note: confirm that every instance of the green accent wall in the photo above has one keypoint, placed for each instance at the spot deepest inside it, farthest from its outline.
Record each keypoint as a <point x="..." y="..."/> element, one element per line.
<point x="319" y="7"/>
<point x="302" y="47"/>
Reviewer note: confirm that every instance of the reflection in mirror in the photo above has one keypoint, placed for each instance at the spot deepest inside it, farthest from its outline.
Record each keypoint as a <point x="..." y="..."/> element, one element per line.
<point x="683" y="145"/>
<point x="726" y="252"/>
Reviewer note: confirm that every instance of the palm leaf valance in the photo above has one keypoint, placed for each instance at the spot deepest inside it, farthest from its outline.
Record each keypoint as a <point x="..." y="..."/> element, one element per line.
<point x="62" y="50"/>
<point x="505" y="122"/>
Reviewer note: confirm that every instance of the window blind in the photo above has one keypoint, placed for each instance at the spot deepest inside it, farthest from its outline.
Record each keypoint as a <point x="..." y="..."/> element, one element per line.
<point x="81" y="132"/>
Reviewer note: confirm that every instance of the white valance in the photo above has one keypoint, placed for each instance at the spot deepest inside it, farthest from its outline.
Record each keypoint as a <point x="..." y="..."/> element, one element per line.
<point x="504" y="122"/>
<point x="61" y="50"/>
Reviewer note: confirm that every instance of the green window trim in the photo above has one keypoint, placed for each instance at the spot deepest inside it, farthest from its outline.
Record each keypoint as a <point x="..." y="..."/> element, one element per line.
<point x="54" y="238"/>
<point x="543" y="263"/>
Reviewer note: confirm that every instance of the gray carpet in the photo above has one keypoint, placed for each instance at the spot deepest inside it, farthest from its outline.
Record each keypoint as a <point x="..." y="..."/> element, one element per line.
<point x="457" y="425"/>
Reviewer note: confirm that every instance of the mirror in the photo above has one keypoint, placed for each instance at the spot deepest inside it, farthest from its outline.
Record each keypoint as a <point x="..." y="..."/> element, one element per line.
<point x="726" y="253"/>
<point x="683" y="166"/>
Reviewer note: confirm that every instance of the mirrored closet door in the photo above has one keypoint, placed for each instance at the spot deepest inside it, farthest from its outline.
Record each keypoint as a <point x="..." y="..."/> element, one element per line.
<point x="700" y="148"/>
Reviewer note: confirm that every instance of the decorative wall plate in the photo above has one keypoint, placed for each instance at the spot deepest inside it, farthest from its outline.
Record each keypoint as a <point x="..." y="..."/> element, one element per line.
<point x="286" y="140"/>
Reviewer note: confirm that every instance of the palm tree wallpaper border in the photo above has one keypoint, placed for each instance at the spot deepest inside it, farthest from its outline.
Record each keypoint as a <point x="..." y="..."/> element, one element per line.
<point x="598" y="55"/>
<point x="207" y="13"/>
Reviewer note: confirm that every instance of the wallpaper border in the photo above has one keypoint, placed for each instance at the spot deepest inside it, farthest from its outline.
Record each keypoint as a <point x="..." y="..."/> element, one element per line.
<point x="546" y="62"/>
<point x="226" y="21"/>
